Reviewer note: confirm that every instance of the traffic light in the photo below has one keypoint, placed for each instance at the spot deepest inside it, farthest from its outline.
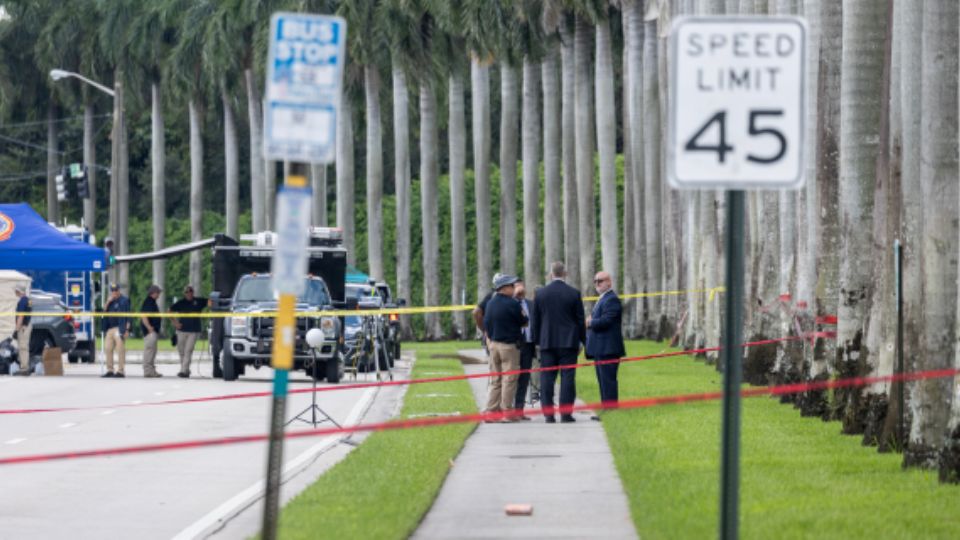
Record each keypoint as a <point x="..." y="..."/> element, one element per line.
<point x="79" y="174"/>
<point x="62" y="186"/>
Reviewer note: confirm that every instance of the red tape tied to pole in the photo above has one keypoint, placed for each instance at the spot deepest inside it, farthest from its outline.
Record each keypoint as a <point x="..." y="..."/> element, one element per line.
<point x="359" y="386"/>
<point x="411" y="423"/>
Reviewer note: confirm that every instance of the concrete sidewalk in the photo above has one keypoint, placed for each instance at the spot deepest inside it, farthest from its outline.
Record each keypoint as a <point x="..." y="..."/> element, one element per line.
<point x="565" y="471"/>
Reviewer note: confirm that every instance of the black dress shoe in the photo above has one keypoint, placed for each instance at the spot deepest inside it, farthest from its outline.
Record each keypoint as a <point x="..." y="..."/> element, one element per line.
<point x="108" y="375"/>
<point x="119" y="375"/>
<point x="550" y="419"/>
<point x="567" y="418"/>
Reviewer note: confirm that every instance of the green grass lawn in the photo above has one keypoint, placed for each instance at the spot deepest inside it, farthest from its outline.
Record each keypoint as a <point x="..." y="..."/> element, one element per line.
<point x="136" y="344"/>
<point x="800" y="477"/>
<point x="384" y="487"/>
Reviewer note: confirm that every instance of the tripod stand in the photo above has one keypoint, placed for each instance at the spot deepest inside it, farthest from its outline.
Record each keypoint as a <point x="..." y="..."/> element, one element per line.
<point x="314" y="409"/>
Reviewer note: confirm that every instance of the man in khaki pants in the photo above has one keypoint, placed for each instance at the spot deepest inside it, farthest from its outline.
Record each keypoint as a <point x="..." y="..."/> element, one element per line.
<point x="117" y="330"/>
<point x="23" y="329"/>
<point x="503" y="320"/>
<point x="151" y="332"/>
<point x="188" y="328"/>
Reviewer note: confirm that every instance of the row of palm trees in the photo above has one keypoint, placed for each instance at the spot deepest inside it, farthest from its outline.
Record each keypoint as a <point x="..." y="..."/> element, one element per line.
<point x="882" y="166"/>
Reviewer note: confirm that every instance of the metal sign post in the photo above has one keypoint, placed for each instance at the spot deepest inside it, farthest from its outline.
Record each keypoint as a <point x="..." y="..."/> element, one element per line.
<point x="737" y="111"/>
<point x="304" y="74"/>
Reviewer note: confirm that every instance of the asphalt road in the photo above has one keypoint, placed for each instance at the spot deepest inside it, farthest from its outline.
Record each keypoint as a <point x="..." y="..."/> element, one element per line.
<point x="186" y="493"/>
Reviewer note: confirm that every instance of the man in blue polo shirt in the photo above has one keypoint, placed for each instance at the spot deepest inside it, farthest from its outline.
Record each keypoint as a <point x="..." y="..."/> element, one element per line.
<point x="503" y="320"/>
<point x="117" y="330"/>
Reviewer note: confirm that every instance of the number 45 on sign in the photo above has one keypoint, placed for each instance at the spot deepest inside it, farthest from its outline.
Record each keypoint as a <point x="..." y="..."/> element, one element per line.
<point x="737" y="103"/>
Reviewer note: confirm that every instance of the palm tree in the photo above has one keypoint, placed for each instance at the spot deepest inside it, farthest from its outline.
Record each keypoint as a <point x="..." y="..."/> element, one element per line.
<point x="649" y="98"/>
<point x="938" y="177"/>
<point x="185" y="64"/>
<point x="531" y="42"/>
<point x="571" y="206"/>
<point x="864" y="31"/>
<point x="606" y="124"/>
<point x="345" y="174"/>
<point x="585" y="139"/>
<point x="509" y="128"/>
<point x="828" y="199"/>
<point x="553" y="187"/>
<point x="149" y="48"/>
<point x="401" y="163"/>
<point x="318" y="183"/>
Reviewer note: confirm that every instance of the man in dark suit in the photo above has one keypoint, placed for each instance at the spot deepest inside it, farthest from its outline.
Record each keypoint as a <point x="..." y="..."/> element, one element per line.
<point x="559" y="330"/>
<point x="605" y="337"/>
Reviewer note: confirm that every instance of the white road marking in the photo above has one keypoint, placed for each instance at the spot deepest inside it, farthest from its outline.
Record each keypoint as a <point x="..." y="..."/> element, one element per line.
<point x="14" y="441"/>
<point x="159" y="393"/>
<point x="68" y="425"/>
<point x="243" y="500"/>
<point x="109" y="411"/>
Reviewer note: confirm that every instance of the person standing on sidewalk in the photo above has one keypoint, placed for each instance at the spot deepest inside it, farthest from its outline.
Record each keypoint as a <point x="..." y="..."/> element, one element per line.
<point x="151" y="332"/>
<point x="23" y="329"/>
<point x="117" y="329"/>
<point x="528" y="350"/>
<point x="188" y="328"/>
<point x="559" y="329"/>
<point x="504" y="321"/>
<point x="605" y="337"/>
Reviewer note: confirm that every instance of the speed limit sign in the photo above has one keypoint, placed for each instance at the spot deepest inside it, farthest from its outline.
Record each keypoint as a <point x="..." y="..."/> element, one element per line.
<point x="737" y="103"/>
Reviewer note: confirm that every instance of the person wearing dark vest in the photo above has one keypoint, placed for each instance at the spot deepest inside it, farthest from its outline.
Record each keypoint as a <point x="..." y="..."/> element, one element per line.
<point x="528" y="350"/>
<point x="559" y="330"/>
<point x="188" y="328"/>
<point x="605" y="337"/>
<point x="151" y="332"/>
<point x="479" y="310"/>
<point x="116" y="329"/>
<point x="23" y="329"/>
<point x="504" y="321"/>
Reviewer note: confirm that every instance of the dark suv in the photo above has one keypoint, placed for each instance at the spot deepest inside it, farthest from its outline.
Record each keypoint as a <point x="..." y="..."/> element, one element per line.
<point x="51" y="331"/>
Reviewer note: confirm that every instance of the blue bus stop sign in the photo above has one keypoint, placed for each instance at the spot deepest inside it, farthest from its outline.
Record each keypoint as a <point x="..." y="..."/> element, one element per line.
<point x="304" y="80"/>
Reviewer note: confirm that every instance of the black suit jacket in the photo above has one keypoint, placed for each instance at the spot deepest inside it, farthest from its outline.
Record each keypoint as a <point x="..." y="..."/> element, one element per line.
<point x="605" y="336"/>
<point x="558" y="320"/>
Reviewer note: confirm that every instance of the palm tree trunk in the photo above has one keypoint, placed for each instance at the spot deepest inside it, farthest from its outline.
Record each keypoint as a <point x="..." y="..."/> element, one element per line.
<point x="90" y="162"/>
<point x="401" y="163"/>
<point x="123" y="186"/>
<point x="113" y="216"/>
<point x="950" y="453"/>
<point x="509" y="120"/>
<point x="807" y="203"/>
<point x="257" y="166"/>
<point x="480" y="115"/>
<point x="571" y="220"/>
<point x="318" y="183"/>
<point x="158" y="163"/>
<point x="196" y="186"/>
<point x="584" y="133"/>
<point x="909" y="39"/>
<point x="630" y="178"/>
<point x="429" y="142"/>
<point x="864" y="31"/>
<point x="531" y="173"/>
<point x="457" y="139"/>
<point x="553" y="186"/>
<point x="345" y="178"/>
<point x="607" y="145"/>
<point x="653" y="190"/>
<point x="53" y="164"/>
<point x="231" y="154"/>
<point x="270" y="191"/>
<point x="929" y="404"/>
<point x="374" y="174"/>
<point x="815" y="403"/>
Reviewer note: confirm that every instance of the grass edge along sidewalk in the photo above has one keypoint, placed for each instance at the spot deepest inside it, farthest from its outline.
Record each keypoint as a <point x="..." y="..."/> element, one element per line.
<point x="383" y="488"/>
<point x="801" y="478"/>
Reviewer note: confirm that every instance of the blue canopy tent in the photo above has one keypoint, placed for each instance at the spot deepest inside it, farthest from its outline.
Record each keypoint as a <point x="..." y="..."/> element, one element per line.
<point x="28" y="242"/>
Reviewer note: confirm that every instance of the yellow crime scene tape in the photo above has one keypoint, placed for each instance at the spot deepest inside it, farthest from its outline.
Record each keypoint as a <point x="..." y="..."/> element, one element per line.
<point x="332" y="312"/>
